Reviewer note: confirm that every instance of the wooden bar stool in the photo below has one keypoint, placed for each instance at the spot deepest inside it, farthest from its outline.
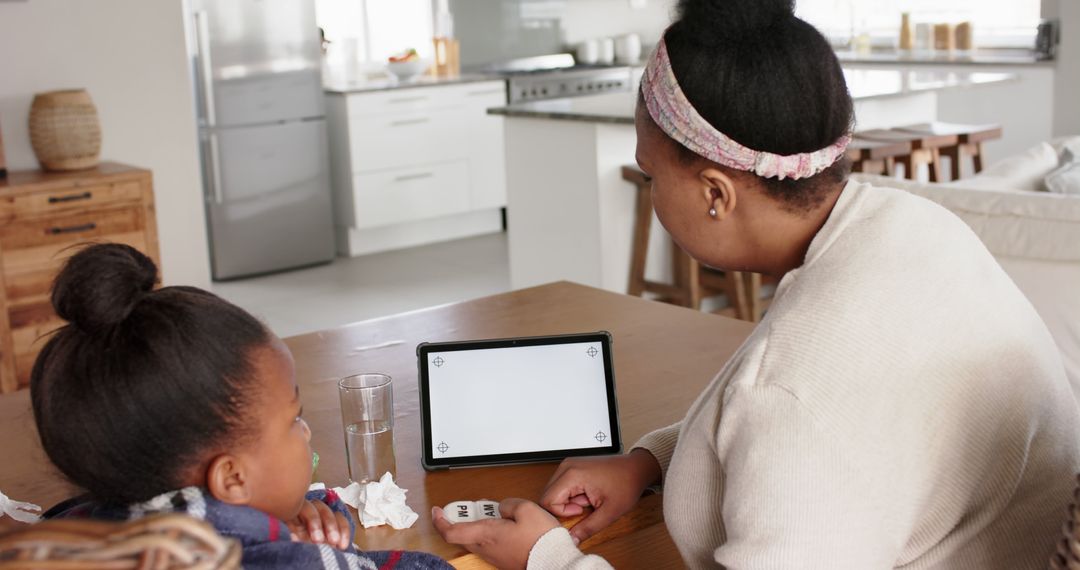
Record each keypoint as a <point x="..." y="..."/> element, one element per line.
<point x="925" y="149"/>
<point x="692" y="281"/>
<point x="876" y="157"/>
<point x="969" y="141"/>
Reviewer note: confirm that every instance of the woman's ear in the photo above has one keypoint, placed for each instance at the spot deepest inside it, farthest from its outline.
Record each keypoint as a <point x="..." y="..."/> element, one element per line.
<point x="227" y="479"/>
<point x="718" y="192"/>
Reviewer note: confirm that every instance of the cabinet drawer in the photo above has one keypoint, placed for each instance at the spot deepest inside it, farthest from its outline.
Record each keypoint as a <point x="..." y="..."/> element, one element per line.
<point x="488" y="93"/>
<point x="411" y="194"/>
<point x="30" y="327"/>
<point x="71" y="228"/>
<point x="422" y="98"/>
<point x="405" y="139"/>
<point x="481" y="98"/>
<point x="44" y="204"/>
<point x="394" y="101"/>
<point x="24" y="365"/>
<point x="29" y="272"/>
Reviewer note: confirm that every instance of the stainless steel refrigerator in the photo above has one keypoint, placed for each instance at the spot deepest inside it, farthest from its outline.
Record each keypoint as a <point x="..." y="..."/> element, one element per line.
<point x="262" y="134"/>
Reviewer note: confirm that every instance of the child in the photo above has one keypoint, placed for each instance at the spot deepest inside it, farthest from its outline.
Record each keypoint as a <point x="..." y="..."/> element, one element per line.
<point x="176" y="400"/>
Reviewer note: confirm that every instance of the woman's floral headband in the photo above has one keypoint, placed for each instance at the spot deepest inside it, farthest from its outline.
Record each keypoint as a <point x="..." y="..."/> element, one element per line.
<point x="672" y="111"/>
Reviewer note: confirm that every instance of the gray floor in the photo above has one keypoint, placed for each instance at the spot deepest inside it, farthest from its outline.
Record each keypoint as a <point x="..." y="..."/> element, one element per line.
<point x="360" y="288"/>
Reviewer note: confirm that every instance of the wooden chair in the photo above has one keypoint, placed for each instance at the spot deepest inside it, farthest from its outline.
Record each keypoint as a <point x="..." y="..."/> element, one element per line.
<point x="876" y="157"/>
<point x="692" y="281"/>
<point x="1067" y="554"/>
<point x="925" y="149"/>
<point x="969" y="141"/>
<point x="159" y="542"/>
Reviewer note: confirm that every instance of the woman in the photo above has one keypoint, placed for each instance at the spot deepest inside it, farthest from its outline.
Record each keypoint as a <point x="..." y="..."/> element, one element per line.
<point x="900" y="405"/>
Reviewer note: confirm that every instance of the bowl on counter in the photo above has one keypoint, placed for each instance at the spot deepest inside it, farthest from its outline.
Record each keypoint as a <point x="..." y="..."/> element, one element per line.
<point x="406" y="70"/>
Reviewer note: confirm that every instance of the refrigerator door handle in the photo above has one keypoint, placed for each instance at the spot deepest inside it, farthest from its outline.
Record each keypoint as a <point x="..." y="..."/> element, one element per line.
<point x="215" y="170"/>
<point x="206" y="68"/>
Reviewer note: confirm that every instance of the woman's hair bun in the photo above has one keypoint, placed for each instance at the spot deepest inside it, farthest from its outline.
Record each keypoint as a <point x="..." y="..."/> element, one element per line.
<point x="100" y="286"/>
<point x="716" y="21"/>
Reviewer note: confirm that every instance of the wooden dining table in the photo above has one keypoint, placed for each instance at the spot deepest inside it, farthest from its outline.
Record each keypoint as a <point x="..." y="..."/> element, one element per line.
<point x="664" y="356"/>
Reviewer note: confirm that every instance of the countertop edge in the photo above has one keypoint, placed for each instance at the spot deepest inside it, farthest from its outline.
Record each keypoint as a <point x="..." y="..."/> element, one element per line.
<point x="337" y="89"/>
<point x="1017" y="58"/>
<point x="511" y="111"/>
<point x="555" y="115"/>
<point x="1040" y="64"/>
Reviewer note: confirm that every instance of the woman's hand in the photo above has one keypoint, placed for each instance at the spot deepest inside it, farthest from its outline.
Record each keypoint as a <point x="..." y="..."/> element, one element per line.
<point x="317" y="523"/>
<point x="504" y="542"/>
<point x="611" y="485"/>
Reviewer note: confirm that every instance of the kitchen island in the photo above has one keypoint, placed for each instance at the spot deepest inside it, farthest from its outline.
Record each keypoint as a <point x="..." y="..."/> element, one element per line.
<point x="570" y="213"/>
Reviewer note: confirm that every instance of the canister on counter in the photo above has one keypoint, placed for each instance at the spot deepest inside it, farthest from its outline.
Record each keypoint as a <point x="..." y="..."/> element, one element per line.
<point x="965" y="37"/>
<point x="944" y="38"/>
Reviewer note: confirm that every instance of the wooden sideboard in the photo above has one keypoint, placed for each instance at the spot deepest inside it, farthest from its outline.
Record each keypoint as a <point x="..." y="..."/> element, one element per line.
<point x="44" y="214"/>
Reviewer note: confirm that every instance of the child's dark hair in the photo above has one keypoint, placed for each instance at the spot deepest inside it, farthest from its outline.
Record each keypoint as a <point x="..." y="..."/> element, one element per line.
<point x="768" y="80"/>
<point x="141" y="384"/>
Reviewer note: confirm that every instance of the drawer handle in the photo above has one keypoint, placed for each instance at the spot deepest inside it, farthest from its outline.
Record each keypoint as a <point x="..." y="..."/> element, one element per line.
<point x="72" y="229"/>
<point x="70" y="198"/>
<point x="409" y="99"/>
<point x="488" y="92"/>
<point x="408" y="177"/>
<point x="409" y="122"/>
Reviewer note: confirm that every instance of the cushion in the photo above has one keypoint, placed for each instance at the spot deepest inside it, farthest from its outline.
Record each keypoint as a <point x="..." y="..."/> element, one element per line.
<point x="1061" y="143"/>
<point x="1066" y="179"/>
<point x="1025" y="171"/>
<point x="1012" y="223"/>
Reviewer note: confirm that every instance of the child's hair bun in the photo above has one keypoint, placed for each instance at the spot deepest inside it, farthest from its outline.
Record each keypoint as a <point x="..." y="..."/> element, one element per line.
<point x="715" y="22"/>
<point x="143" y="384"/>
<point x="100" y="286"/>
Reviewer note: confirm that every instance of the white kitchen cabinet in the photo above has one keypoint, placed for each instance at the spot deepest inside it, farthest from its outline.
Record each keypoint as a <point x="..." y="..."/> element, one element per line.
<point x="416" y="165"/>
<point x="406" y="194"/>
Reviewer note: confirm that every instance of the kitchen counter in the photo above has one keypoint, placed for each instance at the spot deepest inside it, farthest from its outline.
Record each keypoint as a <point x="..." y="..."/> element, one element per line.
<point x="564" y="158"/>
<point x="864" y="84"/>
<point x="385" y="82"/>
<point x="989" y="57"/>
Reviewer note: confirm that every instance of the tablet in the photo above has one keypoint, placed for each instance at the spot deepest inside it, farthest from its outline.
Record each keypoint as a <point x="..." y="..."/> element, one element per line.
<point x="517" y="400"/>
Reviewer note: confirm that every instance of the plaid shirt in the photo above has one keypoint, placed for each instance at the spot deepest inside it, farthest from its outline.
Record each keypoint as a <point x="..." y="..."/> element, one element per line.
<point x="265" y="540"/>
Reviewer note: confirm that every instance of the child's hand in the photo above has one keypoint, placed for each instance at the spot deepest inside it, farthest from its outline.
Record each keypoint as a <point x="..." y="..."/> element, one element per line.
<point x="319" y="524"/>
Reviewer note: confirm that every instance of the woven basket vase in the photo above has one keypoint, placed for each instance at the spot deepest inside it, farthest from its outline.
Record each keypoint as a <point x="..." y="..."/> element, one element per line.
<point x="64" y="130"/>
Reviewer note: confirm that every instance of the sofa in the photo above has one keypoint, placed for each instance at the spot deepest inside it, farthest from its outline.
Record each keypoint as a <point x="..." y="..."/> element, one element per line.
<point x="1035" y="236"/>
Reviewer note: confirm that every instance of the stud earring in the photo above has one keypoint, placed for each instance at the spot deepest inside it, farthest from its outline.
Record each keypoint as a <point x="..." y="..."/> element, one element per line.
<point x="712" y="212"/>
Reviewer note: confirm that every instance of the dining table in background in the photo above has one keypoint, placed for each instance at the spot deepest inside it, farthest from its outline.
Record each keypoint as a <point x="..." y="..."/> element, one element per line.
<point x="664" y="356"/>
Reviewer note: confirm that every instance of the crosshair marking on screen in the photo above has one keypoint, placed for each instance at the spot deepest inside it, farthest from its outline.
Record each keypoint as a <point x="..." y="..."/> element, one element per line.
<point x="592" y="352"/>
<point x="442" y="447"/>
<point x="438" y="361"/>
<point x="600" y="436"/>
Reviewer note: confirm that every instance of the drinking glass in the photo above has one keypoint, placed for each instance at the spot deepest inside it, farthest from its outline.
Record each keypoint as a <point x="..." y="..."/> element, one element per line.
<point x="367" y="413"/>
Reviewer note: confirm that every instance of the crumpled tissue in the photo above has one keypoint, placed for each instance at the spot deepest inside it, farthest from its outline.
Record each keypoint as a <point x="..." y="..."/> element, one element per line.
<point x="379" y="502"/>
<point x="18" y="510"/>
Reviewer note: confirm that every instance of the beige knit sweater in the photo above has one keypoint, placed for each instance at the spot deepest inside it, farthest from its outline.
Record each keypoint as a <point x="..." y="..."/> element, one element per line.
<point x="900" y="406"/>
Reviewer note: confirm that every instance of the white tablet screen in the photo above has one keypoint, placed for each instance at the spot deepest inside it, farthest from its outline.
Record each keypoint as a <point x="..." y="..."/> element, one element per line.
<point x="519" y="399"/>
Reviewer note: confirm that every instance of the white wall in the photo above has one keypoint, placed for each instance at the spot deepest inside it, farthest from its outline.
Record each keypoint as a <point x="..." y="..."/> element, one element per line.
<point x="130" y="56"/>
<point x="1023" y="125"/>
<point x="1067" y="81"/>
<point x="586" y="19"/>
